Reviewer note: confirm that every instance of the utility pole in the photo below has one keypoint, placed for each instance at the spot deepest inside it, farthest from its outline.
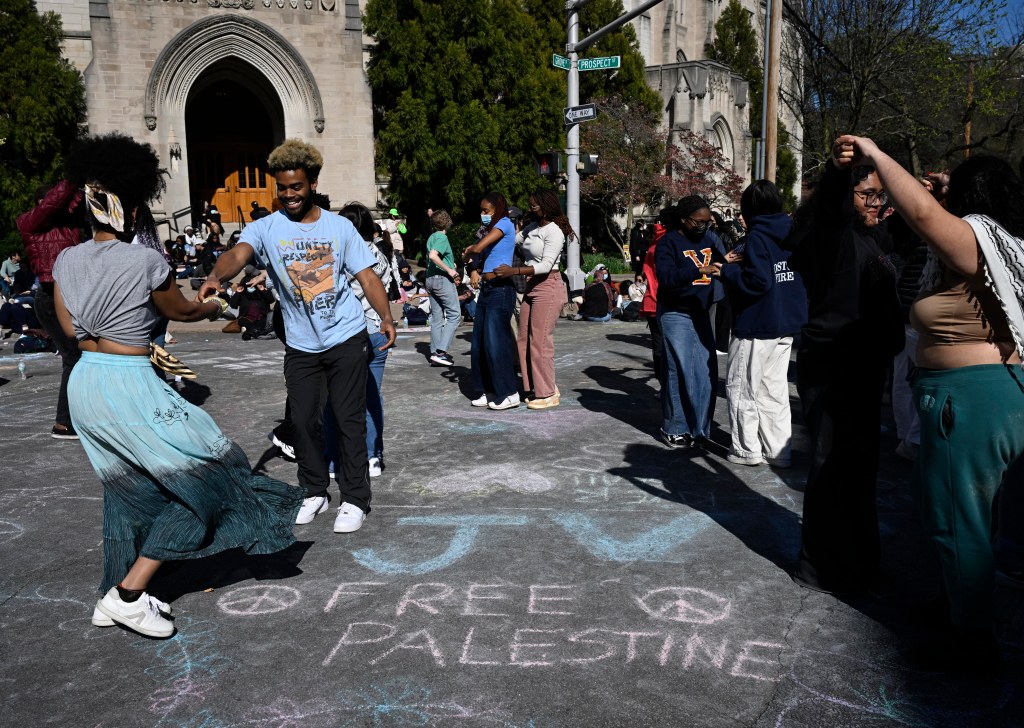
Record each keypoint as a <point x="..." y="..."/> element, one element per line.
<point x="573" y="47"/>
<point x="773" y="62"/>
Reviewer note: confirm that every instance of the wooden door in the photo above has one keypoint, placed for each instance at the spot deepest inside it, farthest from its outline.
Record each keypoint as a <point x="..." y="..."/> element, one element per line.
<point x="231" y="178"/>
<point x="254" y="183"/>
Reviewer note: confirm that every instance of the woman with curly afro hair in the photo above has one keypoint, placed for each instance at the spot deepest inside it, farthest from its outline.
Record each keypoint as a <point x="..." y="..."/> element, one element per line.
<point x="174" y="487"/>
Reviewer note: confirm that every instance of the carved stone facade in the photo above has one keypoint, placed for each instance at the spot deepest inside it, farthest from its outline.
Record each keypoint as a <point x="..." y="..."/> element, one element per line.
<point x="698" y="94"/>
<point x="145" y="61"/>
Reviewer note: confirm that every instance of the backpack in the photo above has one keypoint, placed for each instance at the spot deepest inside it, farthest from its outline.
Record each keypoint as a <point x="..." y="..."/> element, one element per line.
<point x="32" y="344"/>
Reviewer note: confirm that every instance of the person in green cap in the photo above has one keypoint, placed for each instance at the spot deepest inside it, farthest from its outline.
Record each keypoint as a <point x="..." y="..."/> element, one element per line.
<point x="396" y="229"/>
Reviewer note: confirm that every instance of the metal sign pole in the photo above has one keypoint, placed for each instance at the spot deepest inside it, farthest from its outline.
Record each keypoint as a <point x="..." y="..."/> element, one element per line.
<point x="572" y="153"/>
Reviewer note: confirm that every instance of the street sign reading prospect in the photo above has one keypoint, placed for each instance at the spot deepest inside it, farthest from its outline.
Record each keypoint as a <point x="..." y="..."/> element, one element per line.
<point x="560" y="62"/>
<point x="598" y="64"/>
<point x="576" y="114"/>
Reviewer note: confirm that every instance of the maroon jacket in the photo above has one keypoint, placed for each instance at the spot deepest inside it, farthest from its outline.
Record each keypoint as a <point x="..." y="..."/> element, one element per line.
<point x="50" y="227"/>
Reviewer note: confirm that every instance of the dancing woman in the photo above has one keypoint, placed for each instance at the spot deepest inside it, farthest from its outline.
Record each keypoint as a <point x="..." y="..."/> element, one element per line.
<point x="174" y="487"/>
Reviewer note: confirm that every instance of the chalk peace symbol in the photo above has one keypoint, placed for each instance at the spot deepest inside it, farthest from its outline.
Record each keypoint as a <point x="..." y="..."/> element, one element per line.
<point x="685" y="604"/>
<point x="247" y="601"/>
<point x="9" y="530"/>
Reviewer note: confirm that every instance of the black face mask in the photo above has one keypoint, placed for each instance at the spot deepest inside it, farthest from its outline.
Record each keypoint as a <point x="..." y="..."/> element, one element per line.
<point x="697" y="231"/>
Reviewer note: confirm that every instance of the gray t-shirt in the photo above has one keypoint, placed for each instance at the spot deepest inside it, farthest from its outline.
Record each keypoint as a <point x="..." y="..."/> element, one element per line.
<point x="107" y="288"/>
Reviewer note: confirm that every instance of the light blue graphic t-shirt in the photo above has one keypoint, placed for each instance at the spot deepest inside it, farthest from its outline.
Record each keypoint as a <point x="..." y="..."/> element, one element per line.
<point x="307" y="263"/>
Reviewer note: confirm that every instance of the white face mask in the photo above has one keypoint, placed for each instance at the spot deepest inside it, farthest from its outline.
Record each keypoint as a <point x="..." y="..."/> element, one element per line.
<point x="250" y="289"/>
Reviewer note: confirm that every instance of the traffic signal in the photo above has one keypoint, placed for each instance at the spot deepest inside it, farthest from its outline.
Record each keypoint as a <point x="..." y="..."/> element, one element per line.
<point x="548" y="164"/>
<point x="587" y="164"/>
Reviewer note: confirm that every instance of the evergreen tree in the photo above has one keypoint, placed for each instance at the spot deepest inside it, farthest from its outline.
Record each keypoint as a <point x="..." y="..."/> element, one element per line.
<point x="42" y="103"/>
<point x="465" y="93"/>
<point x="735" y="45"/>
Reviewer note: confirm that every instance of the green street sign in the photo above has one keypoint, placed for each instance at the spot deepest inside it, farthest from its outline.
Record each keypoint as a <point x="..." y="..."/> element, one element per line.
<point x="599" y="64"/>
<point x="560" y="62"/>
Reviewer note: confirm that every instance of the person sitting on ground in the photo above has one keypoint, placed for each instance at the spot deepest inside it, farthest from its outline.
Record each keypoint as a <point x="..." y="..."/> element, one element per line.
<point x="193" y="243"/>
<point x="416" y="309"/>
<point x="467" y="300"/>
<point x="8" y="271"/>
<point x="253" y="302"/>
<point x="598" y="298"/>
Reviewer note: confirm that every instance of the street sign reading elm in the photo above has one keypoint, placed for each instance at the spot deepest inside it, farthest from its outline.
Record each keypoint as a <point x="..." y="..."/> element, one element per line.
<point x="599" y="64"/>
<point x="576" y="114"/>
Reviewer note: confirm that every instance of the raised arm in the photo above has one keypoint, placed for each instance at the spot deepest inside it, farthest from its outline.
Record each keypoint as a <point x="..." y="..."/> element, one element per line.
<point x="950" y="237"/>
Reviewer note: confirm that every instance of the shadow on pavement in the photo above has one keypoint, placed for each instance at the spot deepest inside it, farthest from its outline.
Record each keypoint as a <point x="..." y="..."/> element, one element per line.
<point x="177" y="578"/>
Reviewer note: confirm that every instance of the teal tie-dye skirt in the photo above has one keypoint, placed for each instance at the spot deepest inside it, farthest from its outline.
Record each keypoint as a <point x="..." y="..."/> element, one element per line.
<point x="174" y="487"/>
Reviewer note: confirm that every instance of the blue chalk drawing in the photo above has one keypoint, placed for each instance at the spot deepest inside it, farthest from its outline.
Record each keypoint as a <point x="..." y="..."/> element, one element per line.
<point x="651" y="545"/>
<point x="467" y="528"/>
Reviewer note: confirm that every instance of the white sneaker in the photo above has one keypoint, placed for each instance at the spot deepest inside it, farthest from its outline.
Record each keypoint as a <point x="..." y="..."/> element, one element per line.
<point x="99" y="619"/>
<point x="350" y="517"/>
<point x="376" y="467"/>
<point x="311" y="508"/>
<point x="287" y="450"/>
<point x="508" y="403"/>
<point x="142" y="616"/>
<point x="482" y="401"/>
<point x="740" y="460"/>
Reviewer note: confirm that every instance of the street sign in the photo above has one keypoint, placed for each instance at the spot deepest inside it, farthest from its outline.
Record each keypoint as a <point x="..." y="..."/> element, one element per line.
<point x="560" y="62"/>
<point x="599" y="64"/>
<point x="576" y="114"/>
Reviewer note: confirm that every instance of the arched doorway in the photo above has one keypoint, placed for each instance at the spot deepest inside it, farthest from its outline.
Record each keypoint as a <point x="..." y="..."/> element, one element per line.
<point x="233" y="119"/>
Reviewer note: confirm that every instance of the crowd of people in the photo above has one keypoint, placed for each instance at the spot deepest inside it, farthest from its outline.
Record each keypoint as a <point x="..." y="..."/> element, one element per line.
<point x="828" y="280"/>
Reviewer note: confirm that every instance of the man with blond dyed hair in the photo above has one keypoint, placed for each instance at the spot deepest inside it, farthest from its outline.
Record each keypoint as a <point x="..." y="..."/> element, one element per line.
<point x="307" y="252"/>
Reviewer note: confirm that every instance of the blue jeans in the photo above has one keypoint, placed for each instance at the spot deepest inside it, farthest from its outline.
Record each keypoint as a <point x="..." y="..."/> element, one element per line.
<point x="494" y="350"/>
<point x="375" y="362"/>
<point x="599" y="319"/>
<point x="444" y="312"/>
<point x="691" y="371"/>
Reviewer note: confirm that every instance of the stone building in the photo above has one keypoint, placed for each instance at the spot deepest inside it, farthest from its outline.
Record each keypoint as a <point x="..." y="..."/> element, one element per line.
<point x="214" y="85"/>
<point x="698" y="94"/>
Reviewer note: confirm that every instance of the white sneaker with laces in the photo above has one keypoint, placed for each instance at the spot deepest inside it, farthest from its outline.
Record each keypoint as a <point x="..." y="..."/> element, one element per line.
<point x="311" y="508"/>
<point x="142" y="616"/>
<point x="350" y="518"/>
<point x="376" y="467"/>
<point x="287" y="450"/>
<point x="99" y="619"/>
<point x="508" y="403"/>
<point x="482" y="400"/>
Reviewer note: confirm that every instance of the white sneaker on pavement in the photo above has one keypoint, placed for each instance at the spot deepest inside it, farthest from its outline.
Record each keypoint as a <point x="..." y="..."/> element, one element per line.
<point x="482" y="400"/>
<point x="508" y="403"/>
<point x="287" y="450"/>
<point x="350" y="518"/>
<point x="311" y="508"/>
<point x="376" y="467"/>
<point x="142" y="616"/>
<point x="99" y="619"/>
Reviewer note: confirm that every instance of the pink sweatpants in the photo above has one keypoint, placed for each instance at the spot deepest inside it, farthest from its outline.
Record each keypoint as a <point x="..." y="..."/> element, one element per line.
<point x="541" y="307"/>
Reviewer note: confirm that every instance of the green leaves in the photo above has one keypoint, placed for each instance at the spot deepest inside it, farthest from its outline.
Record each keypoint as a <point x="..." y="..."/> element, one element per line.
<point x="465" y="94"/>
<point x="42" y="103"/>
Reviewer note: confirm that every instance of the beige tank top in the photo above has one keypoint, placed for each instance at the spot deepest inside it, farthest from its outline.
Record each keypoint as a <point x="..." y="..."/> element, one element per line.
<point x="953" y="315"/>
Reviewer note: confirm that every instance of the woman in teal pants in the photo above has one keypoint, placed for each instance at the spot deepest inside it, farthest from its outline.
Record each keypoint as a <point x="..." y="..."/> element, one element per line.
<point x="969" y="388"/>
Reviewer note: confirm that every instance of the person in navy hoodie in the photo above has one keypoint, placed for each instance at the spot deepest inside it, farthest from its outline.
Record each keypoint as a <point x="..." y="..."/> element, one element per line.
<point x="770" y="306"/>
<point x="684" y="297"/>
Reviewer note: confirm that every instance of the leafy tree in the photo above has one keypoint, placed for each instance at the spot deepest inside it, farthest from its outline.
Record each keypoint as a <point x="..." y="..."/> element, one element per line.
<point x="42" y="103"/>
<point x="639" y="168"/>
<point x="698" y="168"/>
<point x="632" y="163"/>
<point x="465" y="93"/>
<point x="736" y="46"/>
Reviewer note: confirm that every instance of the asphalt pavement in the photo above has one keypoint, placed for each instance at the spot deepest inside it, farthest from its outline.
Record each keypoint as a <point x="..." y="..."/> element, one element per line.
<point x="518" y="569"/>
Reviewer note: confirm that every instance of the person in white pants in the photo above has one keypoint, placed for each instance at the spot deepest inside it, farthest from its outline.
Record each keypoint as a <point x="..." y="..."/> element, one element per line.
<point x="770" y="305"/>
